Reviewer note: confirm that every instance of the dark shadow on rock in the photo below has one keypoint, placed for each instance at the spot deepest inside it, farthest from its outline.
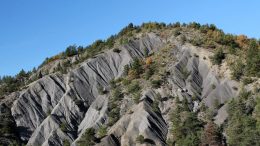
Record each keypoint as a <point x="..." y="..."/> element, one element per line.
<point x="150" y="141"/>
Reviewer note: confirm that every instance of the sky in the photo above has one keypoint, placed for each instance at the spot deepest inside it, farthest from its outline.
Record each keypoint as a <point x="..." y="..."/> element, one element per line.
<point x="31" y="30"/>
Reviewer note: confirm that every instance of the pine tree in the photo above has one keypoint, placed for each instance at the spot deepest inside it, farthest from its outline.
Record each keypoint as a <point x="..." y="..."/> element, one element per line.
<point x="211" y="135"/>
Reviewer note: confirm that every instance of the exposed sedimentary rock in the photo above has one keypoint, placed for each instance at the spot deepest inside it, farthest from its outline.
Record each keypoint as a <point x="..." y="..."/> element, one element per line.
<point x="59" y="108"/>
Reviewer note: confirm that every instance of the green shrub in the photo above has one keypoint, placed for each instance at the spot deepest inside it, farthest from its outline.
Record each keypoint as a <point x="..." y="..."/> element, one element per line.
<point x="116" y="50"/>
<point x="137" y="66"/>
<point x="183" y="39"/>
<point x="88" y="138"/>
<point x="253" y="59"/>
<point x="155" y="106"/>
<point x="185" y="73"/>
<point x="186" y="127"/>
<point x="133" y="88"/>
<point x="114" y="115"/>
<point x="136" y="97"/>
<point x="123" y="41"/>
<point x="241" y="126"/>
<point x="71" y="51"/>
<point x="148" y="73"/>
<point x="117" y="94"/>
<point x="218" y="56"/>
<point x="126" y="69"/>
<point x="140" y="139"/>
<point x="247" y="81"/>
<point x="126" y="82"/>
<point x="66" y="142"/>
<point x="102" y="131"/>
<point x="213" y="86"/>
<point x="216" y="103"/>
<point x="177" y="32"/>
<point x="63" y="127"/>
<point x="146" y="52"/>
<point x="101" y="90"/>
<point x="237" y="70"/>
<point x="112" y="84"/>
<point x="156" y="83"/>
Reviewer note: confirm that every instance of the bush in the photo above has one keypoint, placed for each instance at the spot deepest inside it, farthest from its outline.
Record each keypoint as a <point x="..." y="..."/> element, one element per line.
<point x="116" y="50"/>
<point x="112" y="84"/>
<point x="213" y="86"/>
<point x="133" y="88"/>
<point x="63" y="127"/>
<point x="241" y="127"/>
<point x="247" y="81"/>
<point x="177" y="32"/>
<point x="185" y="73"/>
<point x="126" y="82"/>
<point x="137" y="96"/>
<point x="126" y="69"/>
<point x="102" y="131"/>
<point x="114" y="115"/>
<point x="88" y="138"/>
<point x="71" y="51"/>
<point x="140" y="139"/>
<point x="218" y="56"/>
<point x="66" y="142"/>
<point x="146" y="52"/>
<point x="253" y="59"/>
<point x="102" y="90"/>
<point x="156" y="83"/>
<point x="148" y="73"/>
<point x="117" y="94"/>
<point x="183" y="39"/>
<point x="237" y="70"/>
<point x="137" y="66"/>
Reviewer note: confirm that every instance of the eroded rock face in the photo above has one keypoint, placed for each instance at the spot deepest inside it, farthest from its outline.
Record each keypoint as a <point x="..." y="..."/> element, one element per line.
<point x="60" y="108"/>
<point x="53" y="108"/>
<point x="143" y="121"/>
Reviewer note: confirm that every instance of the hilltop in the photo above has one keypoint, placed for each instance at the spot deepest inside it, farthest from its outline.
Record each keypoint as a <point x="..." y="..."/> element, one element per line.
<point x="154" y="84"/>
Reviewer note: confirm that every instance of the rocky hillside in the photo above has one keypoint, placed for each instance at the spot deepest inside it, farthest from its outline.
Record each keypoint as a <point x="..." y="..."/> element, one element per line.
<point x="153" y="84"/>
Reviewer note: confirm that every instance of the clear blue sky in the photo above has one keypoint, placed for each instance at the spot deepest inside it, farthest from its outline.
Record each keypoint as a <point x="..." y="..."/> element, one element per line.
<point x="31" y="30"/>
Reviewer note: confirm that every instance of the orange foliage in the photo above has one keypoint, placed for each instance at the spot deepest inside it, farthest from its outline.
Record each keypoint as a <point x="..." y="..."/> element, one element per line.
<point x="53" y="58"/>
<point x="132" y="74"/>
<point x="242" y="41"/>
<point x="148" y="61"/>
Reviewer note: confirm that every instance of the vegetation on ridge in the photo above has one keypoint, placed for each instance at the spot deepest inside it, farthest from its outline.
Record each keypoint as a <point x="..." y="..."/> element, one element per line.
<point x="245" y="51"/>
<point x="240" y="53"/>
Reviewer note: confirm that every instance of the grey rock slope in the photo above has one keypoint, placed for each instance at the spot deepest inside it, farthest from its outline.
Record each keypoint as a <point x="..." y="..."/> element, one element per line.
<point x="60" y="108"/>
<point x="56" y="100"/>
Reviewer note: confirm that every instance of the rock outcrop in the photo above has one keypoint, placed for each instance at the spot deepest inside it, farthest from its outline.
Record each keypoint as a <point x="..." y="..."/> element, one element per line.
<point x="53" y="108"/>
<point x="60" y="108"/>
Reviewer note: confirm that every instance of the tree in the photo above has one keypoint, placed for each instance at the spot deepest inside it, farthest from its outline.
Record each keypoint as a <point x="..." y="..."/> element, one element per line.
<point x="126" y="69"/>
<point x="241" y="127"/>
<point x="156" y="83"/>
<point x="253" y="59"/>
<point x="218" y="56"/>
<point x="137" y="66"/>
<point x="238" y="69"/>
<point x="186" y="127"/>
<point x="102" y="131"/>
<point x="257" y="112"/>
<point x="88" y="138"/>
<point x="71" y="51"/>
<point x="80" y="49"/>
<point x="211" y="135"/>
